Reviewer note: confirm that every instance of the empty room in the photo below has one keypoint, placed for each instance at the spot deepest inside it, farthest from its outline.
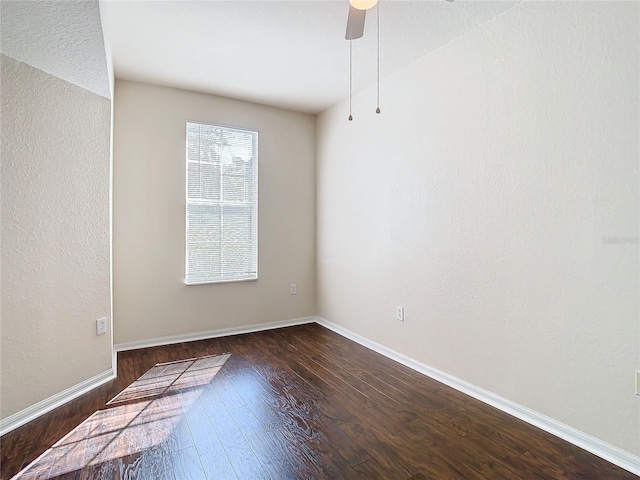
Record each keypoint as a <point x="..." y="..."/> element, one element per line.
<point x="319" y="239"/>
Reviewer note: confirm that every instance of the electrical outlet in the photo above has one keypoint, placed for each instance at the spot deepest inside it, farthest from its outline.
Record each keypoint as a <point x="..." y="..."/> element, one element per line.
<point x="101" y="326"/>
<point x="400" y="314"/>
<point x="637" y="382"/>
<point x="293" y="289"/>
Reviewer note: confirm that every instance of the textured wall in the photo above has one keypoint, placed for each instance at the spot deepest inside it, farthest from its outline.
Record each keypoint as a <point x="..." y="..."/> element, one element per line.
<point x="496" y="198"/>
<point x="150" y="298"/>
<point x="62" y="38"/>
<point x="55" y="234"/>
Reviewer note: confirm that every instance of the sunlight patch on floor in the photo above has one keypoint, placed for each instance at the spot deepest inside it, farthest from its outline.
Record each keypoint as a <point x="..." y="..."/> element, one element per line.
<point x="141" y="417"/>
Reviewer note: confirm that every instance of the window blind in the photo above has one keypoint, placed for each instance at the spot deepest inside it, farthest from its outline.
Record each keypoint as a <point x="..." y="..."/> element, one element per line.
<point x="222" y="204"/>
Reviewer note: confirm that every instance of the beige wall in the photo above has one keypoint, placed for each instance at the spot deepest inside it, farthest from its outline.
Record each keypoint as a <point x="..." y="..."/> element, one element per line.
<point x="55" y="235"/>
<point x="496" y="199"/>
<point x="150" y="298"/>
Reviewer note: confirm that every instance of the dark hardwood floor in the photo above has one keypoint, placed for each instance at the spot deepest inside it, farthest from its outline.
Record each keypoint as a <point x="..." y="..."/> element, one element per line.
<point x="295" y="403"/>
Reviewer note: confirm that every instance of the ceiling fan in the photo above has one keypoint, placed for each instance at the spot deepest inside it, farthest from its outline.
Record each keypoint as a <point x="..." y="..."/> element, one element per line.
<point x="355" y="29"/>
<point x="357" y="13"/>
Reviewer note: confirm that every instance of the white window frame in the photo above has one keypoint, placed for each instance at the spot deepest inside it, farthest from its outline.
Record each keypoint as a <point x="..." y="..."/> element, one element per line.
<point x="252" y="205"/>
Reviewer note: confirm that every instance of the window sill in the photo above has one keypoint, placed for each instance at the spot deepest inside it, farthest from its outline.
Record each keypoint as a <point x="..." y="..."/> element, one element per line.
<point x="214" y="282"/>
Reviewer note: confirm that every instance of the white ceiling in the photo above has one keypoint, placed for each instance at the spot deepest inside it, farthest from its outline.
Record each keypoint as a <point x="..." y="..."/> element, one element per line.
<point x="290" y="54"/>
<point x="61" y="38"/>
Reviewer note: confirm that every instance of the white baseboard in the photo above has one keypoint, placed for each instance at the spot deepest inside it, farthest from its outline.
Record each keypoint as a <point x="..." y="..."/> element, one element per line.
<point x="223" y="332"/>
<point x="34" y="411"/>
<point x="591" y="444"/>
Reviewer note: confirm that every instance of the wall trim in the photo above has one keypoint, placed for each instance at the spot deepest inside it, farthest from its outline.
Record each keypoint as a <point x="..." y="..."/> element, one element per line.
<point x="34" y="411"/>
<point x="44" y="406"/>
<point x="222" y="332"/>
<point x="587" y="442"/>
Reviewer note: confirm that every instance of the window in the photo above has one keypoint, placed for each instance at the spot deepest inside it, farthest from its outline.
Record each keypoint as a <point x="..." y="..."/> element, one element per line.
<point x="222" y="204"/>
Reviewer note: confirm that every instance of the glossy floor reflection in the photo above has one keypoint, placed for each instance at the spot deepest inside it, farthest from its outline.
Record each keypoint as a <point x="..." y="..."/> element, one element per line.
<point x="293" y="403"/>
<point x="143" y="426"/>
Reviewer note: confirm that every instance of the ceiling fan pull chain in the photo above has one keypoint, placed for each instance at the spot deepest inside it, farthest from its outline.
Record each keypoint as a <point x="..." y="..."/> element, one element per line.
<point x="378" y="21"/>
<point x="350" y="72"/>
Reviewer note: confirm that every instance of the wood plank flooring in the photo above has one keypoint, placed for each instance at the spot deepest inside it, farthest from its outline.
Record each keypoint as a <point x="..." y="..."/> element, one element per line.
<point x="294" y="403"/>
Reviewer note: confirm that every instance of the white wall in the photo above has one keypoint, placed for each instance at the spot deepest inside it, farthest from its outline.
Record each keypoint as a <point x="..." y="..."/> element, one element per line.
<point x="150" y="298"/>
<point x="64" y="39"/>
<point x="484" y="199"/>
<point x="55" y="235"/>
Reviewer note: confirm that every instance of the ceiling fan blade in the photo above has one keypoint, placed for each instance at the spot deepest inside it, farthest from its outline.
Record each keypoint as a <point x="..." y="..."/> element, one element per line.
<point x="355" y="23"/>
